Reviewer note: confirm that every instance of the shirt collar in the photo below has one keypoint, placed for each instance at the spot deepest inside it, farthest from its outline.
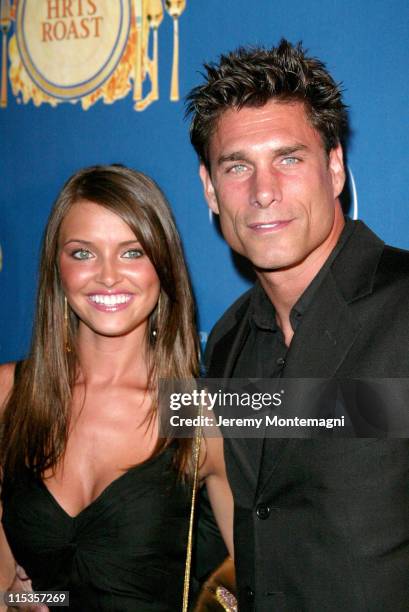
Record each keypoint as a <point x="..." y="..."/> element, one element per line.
<point x="262" y="311"/>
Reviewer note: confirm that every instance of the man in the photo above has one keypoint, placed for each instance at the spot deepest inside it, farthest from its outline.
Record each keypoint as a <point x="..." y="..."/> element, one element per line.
<point x="320" y="524"/>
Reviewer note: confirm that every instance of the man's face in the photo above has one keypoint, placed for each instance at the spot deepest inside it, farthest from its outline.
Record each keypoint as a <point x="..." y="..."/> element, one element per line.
<point x="273" y="185"/>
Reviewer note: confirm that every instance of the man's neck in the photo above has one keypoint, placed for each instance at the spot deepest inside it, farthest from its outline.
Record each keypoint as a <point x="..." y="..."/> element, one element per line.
<point x="284" y="287"/>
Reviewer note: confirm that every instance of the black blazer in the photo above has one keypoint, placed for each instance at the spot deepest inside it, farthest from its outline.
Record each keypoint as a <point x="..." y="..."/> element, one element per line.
<point x="322" y="525"/>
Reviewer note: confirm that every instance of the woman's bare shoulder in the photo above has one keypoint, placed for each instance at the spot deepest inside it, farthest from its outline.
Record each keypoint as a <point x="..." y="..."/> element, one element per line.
<point x="6" y="381"/>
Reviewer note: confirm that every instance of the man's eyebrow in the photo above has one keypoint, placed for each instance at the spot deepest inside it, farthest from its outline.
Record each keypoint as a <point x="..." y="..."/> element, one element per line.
<point x="279" y="152"/>
<point x="289" y="150"/>
<point x="236" y="156"/>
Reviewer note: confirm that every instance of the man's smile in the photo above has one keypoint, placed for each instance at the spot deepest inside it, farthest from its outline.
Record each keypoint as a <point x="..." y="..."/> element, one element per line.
<point x="269" y="226"/>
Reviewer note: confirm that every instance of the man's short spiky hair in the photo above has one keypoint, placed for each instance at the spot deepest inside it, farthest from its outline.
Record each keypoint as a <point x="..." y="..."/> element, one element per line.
<point x="252" y="77"/>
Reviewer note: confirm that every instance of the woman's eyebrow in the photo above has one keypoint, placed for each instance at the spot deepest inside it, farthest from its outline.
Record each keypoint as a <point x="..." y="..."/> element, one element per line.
<point x="89" y="243"/>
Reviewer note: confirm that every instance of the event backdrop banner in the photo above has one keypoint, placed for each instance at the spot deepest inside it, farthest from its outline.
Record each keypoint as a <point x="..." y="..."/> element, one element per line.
<point x="87" y="50"/>
<point x="77" y="74"/>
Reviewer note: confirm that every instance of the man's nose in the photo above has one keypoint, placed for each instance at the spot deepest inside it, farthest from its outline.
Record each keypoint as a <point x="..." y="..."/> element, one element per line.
<point x="266" y="188"/>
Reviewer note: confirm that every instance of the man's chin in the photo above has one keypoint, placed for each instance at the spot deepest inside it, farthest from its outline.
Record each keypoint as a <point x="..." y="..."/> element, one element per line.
<point x="266" y="267"/>
<point x="269" y="263"/>
<point x="272" y="257"/>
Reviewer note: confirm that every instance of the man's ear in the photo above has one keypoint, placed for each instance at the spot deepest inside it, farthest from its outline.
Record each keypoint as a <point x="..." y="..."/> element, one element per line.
<point x="336" y="165"/>
<point x="209" y="191"/>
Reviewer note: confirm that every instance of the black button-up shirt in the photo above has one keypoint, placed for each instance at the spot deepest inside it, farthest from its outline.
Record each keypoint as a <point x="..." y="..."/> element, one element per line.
<point x="265" y="354"/>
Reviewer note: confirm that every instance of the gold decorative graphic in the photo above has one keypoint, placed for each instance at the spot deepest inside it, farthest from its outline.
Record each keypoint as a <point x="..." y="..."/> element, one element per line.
<point x="150" y="13"/>
<point x="175" y="8"/>
<point x="155" y="18"/>
<point x="5" y="22"/>
<point x="138" y="7"/>
<point x="86" y="50"/>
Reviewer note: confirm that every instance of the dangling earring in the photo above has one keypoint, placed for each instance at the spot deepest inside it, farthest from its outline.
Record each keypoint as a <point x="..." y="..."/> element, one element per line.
<point x="66" y="343"/>
<point x="155" y="331"/>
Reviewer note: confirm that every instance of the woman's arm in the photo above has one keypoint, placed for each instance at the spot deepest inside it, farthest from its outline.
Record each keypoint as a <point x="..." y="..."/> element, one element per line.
<point x="6" y="383"/>
<point x="7" y="566"/>
<point x="7" y="563"/>
<point x="213" y="471"/>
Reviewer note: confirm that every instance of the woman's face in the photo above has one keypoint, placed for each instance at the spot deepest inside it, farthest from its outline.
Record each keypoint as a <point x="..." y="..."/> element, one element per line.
<point x="108" y="280"/>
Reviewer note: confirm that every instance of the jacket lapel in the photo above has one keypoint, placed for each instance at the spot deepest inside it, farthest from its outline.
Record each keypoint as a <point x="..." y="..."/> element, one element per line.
<point x="329" y="329"/>
<point x="325" y="336"/>
<point x="222" y="357"/>
<point x="243" y="455"/>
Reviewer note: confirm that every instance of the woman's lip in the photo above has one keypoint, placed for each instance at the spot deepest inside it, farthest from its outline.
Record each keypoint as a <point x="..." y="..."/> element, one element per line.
<point x="110" y="293"/>
<point x="110" y="302"/>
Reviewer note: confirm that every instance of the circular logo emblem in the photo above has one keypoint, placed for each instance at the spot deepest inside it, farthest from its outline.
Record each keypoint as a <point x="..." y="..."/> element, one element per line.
<point x="354" y="194"/>
<point x="70" y="47"/>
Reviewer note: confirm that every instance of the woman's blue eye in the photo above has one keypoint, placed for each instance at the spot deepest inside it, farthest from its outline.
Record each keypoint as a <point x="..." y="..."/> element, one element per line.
<point x="133" y="254"/>
<point x="81" y="254"/>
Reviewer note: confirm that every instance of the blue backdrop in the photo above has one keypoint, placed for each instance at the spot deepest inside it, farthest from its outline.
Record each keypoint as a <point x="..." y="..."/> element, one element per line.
<point x="365" y="45"/>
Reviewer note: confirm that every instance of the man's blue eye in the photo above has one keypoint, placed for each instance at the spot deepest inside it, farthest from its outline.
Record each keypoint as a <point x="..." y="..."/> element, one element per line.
<point x="237" y="169"/>
<point x="290" y="161"/>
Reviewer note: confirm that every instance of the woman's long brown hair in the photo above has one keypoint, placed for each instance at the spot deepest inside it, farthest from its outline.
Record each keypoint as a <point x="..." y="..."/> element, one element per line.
<point x="37" y="413"/>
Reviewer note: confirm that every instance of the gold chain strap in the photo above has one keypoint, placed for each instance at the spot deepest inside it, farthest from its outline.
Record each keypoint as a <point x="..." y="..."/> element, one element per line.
<point x="196" y="458"/>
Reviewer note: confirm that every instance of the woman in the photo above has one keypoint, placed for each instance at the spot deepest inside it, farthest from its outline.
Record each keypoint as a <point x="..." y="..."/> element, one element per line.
<point x="94" y="502"/>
